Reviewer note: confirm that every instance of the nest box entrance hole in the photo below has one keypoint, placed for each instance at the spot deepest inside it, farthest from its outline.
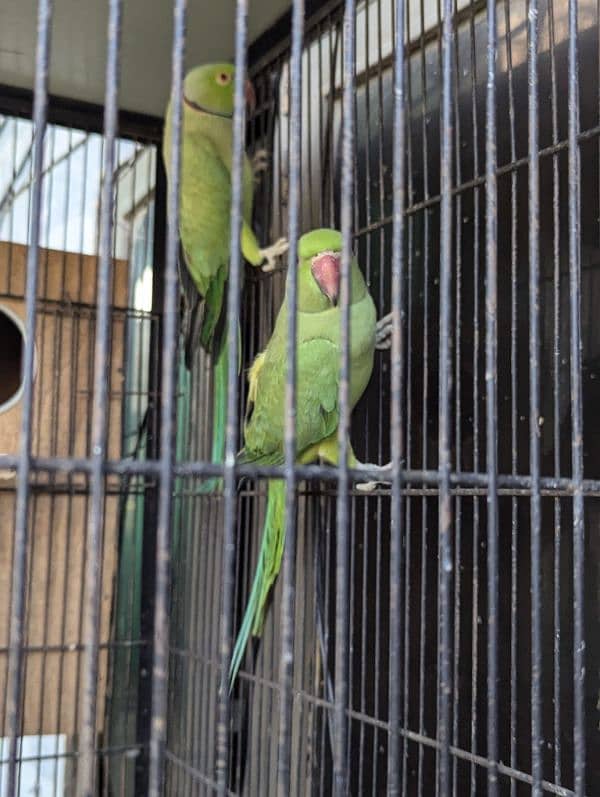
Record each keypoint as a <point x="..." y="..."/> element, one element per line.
<point x="12" y="351"/>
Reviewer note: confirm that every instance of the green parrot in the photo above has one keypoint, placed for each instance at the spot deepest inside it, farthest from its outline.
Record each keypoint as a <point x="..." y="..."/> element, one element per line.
<point x="317" y="412"/>
<point x="204" y="220"/>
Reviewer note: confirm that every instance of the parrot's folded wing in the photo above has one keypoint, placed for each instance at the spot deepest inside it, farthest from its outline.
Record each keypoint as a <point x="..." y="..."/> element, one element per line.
<point x="316" y="406"/>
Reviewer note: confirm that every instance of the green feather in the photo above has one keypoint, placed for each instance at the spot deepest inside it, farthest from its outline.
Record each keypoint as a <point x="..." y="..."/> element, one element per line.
<point x="267" y="570"/>
<point x="219" y="419"/>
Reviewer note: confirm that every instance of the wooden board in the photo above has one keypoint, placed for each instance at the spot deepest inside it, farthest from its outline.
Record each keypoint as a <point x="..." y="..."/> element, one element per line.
<point x="61" y="427"/>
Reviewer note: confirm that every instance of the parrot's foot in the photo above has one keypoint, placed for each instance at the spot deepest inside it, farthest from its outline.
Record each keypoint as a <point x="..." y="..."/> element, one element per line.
<point x="259" y="163"/>
<point x="271" y="253"/>
<point x="368" y="487"/>
<point x="383" y="333"/>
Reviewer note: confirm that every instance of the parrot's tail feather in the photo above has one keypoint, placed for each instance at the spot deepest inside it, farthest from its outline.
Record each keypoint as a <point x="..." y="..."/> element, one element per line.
<point x="192" y="329"/>
<point x="267" y="570"/>
<point x="219" y="416"/>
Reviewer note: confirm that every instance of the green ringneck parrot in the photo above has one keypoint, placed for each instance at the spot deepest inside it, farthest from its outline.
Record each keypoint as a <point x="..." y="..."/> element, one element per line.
<point x="204" y="217"/>
<point x="317" y="411"/>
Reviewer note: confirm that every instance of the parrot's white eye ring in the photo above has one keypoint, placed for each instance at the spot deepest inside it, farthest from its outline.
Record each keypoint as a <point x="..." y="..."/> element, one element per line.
<point x="223" y="78"/>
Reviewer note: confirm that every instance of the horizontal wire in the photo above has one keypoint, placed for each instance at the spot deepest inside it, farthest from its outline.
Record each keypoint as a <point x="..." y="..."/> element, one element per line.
<point x="125" y="750"/>
<point x="553" y="485"/>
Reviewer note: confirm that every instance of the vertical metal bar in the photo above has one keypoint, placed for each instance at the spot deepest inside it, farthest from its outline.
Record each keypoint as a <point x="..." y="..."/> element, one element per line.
<point x="458" y="420"/>
<point x="491" y="382"/>
<point x="384" y="292"/>
<point x="556" y="355"/>
<point x="408" y="412"/>
<point x="397" y="418"/>
<point x="93" y="563"/>
<point x="534" y="401"/>
<point x="514" y="372"/>
<point x="363" y="623"/>
<point x="233" y="314"/>
<point x="475" y="544"/>
<point x="148" y="570"/>
<point x="310" y="100"/>
<point x="423" y="586"/>
<point x="70" y="444"/>
<point x="286" y="663"/>
<point x="14" y="680"/>
<point x="158" y="726"/>
<point x="55" y="322"/>
<point x="342" y="540"/>
<point x="445" y="385"/>
<point x="576" y="412"/>
<point x="266" y="749"/>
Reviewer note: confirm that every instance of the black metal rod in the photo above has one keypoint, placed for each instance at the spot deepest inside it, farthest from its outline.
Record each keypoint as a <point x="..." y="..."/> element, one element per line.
<point x="150" y="509"/>
<point x="86" y="768"/>
<point x="425" y="343"/>
<point x="233" y="315"/>
<point x="14" y="679"/>
<point x="534" y="400"/>
<point x="514" y="374"/>
<point x="158" y="726"/>
<point x="410" y="533"/>
<point x="491" y="381"/>
<point x="395" y="754"/>
<point x="556" y="397"/>
<point x="288" y="600"/>
<point x="445" y="561"/>
<point x="342" y="580"/>
<point x="458" y="662"/>
<point x="550" y="485"/>
<point x="579" y="752"/>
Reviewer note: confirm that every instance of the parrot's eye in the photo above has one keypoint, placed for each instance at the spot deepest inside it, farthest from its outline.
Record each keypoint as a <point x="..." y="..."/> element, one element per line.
<point x="223" y="78"/>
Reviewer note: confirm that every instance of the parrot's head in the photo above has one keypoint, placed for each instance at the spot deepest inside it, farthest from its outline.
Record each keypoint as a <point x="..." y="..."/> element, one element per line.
<point x="210" y="87"/>
<point x="319" y="272"/>
<point x="319" y="266"/>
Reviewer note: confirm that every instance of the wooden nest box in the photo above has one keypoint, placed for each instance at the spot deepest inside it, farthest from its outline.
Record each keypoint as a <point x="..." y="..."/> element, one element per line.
<point x="58" y="504"/>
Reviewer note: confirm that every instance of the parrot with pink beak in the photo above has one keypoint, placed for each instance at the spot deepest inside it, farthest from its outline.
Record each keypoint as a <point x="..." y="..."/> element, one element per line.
<point x="204" y="222"/>
<point x="317" y="410"/>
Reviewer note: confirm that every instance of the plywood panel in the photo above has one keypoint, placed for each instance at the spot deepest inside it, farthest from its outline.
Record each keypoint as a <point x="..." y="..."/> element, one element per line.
<point x="64" y="354"/>
<point x="65" y="336"/>
<point x="62" y="276"/>
<point x="56" y="563"/>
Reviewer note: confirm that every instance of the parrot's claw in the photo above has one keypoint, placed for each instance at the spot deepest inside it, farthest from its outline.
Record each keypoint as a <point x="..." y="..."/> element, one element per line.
<point x="383" y="333"/>
<point x="271" y="253"/>
<point x="259" y="163"/>
<point x="369" y="487"/>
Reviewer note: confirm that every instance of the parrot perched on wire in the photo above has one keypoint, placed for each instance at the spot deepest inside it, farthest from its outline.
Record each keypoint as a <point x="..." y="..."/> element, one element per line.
<point x="204" y="221"/>
<point x="317" y="411"/>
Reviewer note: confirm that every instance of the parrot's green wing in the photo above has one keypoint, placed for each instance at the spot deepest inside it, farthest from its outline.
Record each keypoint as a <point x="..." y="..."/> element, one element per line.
<point x="317" y="400"/>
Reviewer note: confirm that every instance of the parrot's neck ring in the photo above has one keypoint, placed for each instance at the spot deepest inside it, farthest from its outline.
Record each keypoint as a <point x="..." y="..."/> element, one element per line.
<point x="196" y="107"/>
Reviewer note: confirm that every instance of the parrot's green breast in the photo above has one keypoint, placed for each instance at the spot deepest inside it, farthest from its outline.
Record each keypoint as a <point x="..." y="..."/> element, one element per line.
<point x="318" y="366"/>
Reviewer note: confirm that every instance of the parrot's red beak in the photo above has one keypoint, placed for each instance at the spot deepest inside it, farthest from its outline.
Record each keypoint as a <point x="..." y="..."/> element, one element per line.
<point x="326" y="271"/>
<point x="250" y="97"/>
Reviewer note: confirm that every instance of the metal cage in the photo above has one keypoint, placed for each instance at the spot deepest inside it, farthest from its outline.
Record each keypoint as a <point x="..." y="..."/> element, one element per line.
<point x="436" y="636"/>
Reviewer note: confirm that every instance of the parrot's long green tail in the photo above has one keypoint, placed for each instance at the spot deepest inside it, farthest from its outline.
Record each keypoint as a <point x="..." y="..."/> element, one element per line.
<point x="219" y="418"/>
<point x="267" y="570"/>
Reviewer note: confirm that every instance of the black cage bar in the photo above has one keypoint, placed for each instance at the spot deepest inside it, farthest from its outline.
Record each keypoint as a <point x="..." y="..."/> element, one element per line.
<point x="436" y="635"/>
